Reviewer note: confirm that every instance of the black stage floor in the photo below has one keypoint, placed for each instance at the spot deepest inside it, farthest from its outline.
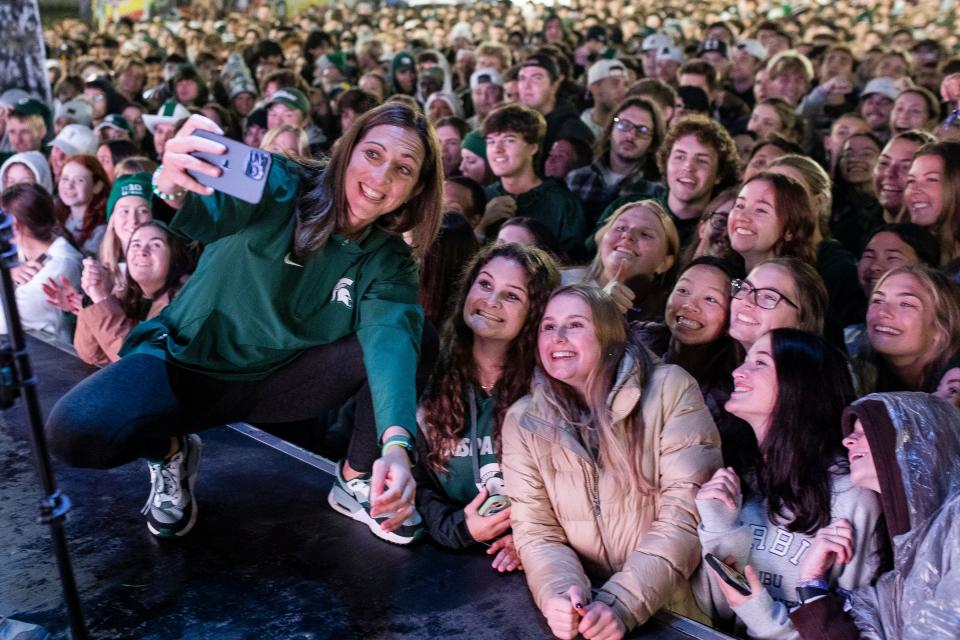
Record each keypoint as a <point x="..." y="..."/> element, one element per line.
<point x="268" y="558"/>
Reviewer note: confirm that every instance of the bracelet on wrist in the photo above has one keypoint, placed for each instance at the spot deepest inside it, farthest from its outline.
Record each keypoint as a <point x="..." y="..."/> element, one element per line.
<point x="176" y="195"/>
<point x="398" y="441"/>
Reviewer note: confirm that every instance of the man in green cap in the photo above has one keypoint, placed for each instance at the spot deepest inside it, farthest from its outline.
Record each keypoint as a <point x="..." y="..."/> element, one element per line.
<point x="27" y="126"/>
<point x="291" y="106"/>
<point x="114" y="127"/>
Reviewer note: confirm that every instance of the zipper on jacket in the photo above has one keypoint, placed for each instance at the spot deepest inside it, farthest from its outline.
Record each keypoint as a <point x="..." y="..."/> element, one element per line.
<point x="595" y="491"/>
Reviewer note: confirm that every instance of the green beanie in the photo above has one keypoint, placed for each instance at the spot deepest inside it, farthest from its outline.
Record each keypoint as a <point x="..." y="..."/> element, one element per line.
<point x="135" y="184"/>
<point x="474" y="142"/>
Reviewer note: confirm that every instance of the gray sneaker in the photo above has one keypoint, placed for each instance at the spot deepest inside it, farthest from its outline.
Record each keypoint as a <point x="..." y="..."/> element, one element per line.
<point x="171" y="509"/>
<point x="352" y="499"/>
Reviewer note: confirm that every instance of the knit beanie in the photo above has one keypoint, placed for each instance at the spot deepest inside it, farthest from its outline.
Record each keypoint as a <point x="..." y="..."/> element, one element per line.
<point x="475" y="143"/>
<point x="135" y="184"/>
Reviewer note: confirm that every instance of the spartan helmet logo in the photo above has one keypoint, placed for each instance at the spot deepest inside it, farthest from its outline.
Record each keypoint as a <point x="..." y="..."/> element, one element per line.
<point x="341" y="293"/>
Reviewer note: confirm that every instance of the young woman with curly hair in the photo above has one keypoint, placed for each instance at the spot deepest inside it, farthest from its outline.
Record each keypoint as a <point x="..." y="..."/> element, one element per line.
<point x="502" y="296"/>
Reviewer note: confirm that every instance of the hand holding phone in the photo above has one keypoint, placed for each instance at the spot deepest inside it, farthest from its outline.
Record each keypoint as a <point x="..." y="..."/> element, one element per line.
<point x="243" y="169"/>
<point x="493" y="505"/>
<point x="729" y="575"/>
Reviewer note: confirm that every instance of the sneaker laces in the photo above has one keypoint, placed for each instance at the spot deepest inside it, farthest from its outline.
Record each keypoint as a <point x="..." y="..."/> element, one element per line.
<point x="164" y="484"/>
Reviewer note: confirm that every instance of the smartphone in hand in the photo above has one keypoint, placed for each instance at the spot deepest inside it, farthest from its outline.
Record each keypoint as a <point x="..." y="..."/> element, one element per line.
<point x="729" y="575"/>
<point x="244" y="169"/>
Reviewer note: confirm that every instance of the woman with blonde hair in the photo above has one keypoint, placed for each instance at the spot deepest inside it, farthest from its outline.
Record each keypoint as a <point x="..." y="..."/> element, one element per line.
<point x="602" y="461"/>
<point x="287" y="139"/>
<point x="638" y="250"/>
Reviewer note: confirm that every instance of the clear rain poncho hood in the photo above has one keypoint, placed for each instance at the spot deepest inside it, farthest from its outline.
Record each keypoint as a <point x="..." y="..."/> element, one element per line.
<point x="920" y="597"/>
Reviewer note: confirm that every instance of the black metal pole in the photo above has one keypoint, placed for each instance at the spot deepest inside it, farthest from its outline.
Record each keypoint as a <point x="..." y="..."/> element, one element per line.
<point x="55" y="505"/>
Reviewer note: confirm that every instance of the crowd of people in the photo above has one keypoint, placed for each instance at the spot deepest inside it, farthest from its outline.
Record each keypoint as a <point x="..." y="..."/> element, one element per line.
<point x="603" y="289"/>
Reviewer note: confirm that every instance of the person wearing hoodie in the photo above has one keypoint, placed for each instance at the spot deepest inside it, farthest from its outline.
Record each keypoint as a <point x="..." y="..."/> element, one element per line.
<point x="43" y="253"/>
<point x="906" y="448"/>
<point x="29" y="167"/>
<point x="403" y="74"/>
<point x="486" y="363"/>
<point x="538" y="81"/>
<point x="601" y="462"/>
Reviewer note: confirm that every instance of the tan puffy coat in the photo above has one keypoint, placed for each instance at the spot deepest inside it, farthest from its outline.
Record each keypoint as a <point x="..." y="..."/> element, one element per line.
<point x="568" y="521"/>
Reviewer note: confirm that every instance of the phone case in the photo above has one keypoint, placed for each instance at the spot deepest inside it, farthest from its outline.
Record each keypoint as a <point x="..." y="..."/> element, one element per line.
<point x="245" y="169"/>
<point x="729" y="575"/>
<point x="493" y="505"/>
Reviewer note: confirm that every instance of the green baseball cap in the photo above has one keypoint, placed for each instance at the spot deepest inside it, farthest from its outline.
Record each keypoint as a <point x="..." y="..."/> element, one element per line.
<point x="290" y="97"/>
<point x="31" y="107"/>
<point x="134" y="184"/>
<point x="115" y="121"/>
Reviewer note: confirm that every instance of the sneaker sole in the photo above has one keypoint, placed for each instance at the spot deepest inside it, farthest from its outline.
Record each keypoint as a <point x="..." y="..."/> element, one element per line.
<point x="191" y="483"/>
<point x="338" y="499"/>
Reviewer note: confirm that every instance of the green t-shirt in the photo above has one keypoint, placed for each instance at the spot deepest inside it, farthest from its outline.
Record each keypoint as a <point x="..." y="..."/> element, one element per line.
<point x="249" y="308"/>
<point x="458" y="480"/>
<point x="553" y="205"/>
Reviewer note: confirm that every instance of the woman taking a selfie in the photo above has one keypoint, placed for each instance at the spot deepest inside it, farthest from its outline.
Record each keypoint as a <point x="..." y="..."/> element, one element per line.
<point x="313" y="279"/>
<point x="601" y="462"/>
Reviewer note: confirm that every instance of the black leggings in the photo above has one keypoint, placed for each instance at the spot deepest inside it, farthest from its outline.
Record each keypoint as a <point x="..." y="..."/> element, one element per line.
<point x="132" y="408"/>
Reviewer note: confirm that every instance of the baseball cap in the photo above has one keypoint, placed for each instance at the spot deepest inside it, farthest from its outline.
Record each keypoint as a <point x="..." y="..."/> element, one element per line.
<point x="754" y="48"/>
<point x="31" y="107"/>
<point x="604" y="68"/>
<point x="485" y="75"/>
<point x="134" y="184"/>
<point x="597" y="33"/>
<point x="290" y="97"/>
<point x="543" y="61"/>
<point x="713" y="45"/>
<point x="887" y="87"/>
<point x="76" y="138"/>
<point x="170" y="112"/>
<point x="656" y="41"/>
<point x="114" y="121"/>
<point x="670" y="53"/>
<point x="11" y="97"/>
<point x="77" y="110"/>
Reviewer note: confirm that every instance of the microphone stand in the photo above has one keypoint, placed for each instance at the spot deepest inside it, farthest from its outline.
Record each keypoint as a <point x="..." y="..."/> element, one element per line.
<point x="16" y="378"/>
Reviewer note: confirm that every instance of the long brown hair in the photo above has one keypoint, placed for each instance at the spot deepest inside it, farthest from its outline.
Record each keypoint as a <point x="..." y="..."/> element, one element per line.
<point x="323" y="206"/>
<point x="947" y="227"/>
<point x="619" y="448"/>
<point x="795" y="212"/>
<point x="181" y="263"/>
<point x="443" y="404"/>
<point x="96" y="212"/>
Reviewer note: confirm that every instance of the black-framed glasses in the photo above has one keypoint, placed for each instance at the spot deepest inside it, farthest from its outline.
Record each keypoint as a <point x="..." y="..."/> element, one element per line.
<point x="762" y="297"/>
<point x="718" y="220"/>
<point x="639" y="130"/>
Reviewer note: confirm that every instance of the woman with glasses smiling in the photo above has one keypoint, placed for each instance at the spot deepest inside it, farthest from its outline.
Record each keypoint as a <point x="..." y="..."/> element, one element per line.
<point x="777" y="293"/>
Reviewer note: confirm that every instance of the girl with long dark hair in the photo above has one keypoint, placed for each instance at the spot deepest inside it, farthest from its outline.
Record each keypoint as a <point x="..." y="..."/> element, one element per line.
<point x="795" y="480"/>
<point x="486" y="364"/>
<point x="299" y="302"/>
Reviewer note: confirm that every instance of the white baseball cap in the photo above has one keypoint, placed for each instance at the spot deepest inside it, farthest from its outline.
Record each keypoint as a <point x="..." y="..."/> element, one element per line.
<point x="671" y="53"/>
<point x="656" y="41"/>
<point x="484" y="75"/>
<point x="76" y="138"/>
<point x="80" y="111"/>
<point x="754" y="48"/>
<point x="170" y="113"/>
<point x="604" y="68"/>
<point x="887" y="87"/>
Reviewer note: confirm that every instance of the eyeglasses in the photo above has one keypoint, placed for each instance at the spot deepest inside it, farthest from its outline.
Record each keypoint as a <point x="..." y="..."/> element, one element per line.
<point x="763" y="298"/>
<point x="718" y="220"/>
<point x="639" y="130"/>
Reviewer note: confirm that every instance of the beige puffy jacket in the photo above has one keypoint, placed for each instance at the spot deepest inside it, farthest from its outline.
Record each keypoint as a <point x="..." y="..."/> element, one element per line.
<point x="568" y="521"/>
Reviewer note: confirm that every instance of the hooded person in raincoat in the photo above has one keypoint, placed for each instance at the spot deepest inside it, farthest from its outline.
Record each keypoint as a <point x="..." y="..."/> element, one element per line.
<point x="909" y="450"/>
